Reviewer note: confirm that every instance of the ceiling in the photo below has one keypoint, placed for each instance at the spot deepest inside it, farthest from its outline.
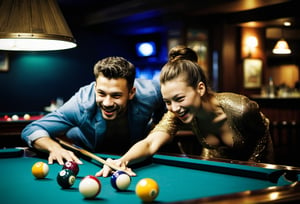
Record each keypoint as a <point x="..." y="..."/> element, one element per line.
<point x="265" y="13"/>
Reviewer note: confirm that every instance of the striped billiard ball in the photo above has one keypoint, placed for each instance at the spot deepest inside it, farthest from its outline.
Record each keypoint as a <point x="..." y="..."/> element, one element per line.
<point x="120" y="180"/>
<point x="73" y="166"/>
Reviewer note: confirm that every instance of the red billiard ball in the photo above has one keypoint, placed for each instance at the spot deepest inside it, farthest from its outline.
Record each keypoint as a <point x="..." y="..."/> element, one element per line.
<point x="40" y="169"/>
<point x="147" y="189"/>
<point x="73" y="166"/>
<point x="66" y="178"/>
<point x="120" y="180"/>
<point x="90" y="187"/>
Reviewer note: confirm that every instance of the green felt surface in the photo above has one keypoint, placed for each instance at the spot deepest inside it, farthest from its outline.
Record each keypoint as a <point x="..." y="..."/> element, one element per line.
<point x="11" y="152"/>
<point x="176" y="183"/>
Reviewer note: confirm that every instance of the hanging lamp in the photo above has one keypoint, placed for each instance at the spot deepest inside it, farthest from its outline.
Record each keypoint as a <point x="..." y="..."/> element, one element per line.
<point x="33" y="25"/>
<point x="282" y="47"/>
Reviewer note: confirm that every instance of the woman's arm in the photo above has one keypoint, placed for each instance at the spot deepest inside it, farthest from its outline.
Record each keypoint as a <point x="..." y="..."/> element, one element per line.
<point x="160" y="135"/>
<point x="138" y="152"/>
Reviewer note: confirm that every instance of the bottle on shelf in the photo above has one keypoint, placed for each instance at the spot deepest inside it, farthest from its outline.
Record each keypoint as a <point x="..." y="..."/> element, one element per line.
<point x="271" y="88"/>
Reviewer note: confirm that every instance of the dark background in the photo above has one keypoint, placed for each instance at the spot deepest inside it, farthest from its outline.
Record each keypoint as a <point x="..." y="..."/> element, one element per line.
<point x="111" y="28"/>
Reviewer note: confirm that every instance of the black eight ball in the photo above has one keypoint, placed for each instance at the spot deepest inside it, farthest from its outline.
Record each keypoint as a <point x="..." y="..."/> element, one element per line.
<point x="66" y="178"/>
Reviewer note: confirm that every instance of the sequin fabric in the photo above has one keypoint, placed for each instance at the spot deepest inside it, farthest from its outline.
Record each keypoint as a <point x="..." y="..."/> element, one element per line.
<point x="250" y="128"/>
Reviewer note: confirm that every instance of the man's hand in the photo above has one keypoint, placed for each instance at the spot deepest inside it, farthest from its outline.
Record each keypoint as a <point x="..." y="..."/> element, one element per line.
<point x="107" y="171"/>
<point x="61" y="155"/>
<point x="55" y="150"/>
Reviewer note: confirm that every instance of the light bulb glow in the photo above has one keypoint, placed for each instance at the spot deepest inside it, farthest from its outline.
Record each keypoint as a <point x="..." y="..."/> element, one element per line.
<point x="282" y="47"/>
<point x="19" y="44"/>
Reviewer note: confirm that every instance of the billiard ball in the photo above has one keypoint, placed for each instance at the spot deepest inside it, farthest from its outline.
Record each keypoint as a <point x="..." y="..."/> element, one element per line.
<point x="40" y="169"/>
<point x="73" y="166"/>
<point x="15" y="117"/>
<point x="147" y="189"/>
<point x="120" y="180"/>
<point x="90" y="187"/>
<point x="65" y="178"/>
<point x="26" y="116"/>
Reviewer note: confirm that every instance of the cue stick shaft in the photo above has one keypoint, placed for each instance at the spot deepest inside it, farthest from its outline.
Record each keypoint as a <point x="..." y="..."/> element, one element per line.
<point x="92" y="156"/>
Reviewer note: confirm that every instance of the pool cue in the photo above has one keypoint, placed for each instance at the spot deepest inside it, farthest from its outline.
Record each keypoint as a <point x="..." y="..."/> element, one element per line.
<point x="92" y="156"/>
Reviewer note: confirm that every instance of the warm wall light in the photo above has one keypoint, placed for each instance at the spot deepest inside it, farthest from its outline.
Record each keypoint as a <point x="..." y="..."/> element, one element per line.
<point x="33" y="25"/>
<point x="282" y="47"/>
<point x="251" y="43"/>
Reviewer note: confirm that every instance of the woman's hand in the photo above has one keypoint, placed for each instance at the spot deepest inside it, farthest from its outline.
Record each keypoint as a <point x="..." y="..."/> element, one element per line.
<point x="107" y="171"/>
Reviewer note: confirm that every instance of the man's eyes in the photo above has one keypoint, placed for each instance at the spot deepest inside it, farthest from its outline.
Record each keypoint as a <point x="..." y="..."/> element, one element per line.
<point x="179" y="99"/>
<point x="167" y="102"/>
<point x="102" y="94"/>
<point x="116" y="96"/>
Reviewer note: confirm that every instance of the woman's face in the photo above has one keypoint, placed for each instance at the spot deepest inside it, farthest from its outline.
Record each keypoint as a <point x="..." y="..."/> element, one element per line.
<point x="181" y="99"/>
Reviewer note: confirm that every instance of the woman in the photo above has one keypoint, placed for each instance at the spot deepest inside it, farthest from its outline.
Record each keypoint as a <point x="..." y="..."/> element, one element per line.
<point x="227" y="125"/>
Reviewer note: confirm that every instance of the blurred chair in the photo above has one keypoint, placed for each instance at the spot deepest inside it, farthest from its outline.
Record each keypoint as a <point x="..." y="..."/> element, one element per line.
<point x="286" y="141"/>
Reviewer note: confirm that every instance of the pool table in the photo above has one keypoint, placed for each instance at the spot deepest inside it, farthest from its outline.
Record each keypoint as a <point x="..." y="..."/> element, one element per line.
<point x="13" y="127"/>
<point x="181" y="180"/>
<point x="10" y="130"/>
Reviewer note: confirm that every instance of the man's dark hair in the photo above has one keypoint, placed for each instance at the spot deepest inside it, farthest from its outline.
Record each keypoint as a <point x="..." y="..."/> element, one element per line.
<point x="114" y="68"/>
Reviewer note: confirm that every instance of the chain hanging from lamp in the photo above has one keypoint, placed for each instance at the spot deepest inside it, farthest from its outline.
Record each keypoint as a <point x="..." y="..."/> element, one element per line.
<point x="33" y="25"/>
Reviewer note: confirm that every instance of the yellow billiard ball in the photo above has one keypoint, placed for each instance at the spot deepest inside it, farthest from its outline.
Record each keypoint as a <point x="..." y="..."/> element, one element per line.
<point x="147" y="189"/>
<point x="40" y="169"/>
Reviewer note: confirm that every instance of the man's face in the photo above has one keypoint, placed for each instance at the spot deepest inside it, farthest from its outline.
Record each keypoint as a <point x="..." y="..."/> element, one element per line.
<point x="112" y="96"/>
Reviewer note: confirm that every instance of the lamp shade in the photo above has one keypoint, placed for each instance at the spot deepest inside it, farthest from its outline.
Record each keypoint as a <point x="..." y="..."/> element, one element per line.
<point x="33" y="25"/>
<point x="282" y="47"/>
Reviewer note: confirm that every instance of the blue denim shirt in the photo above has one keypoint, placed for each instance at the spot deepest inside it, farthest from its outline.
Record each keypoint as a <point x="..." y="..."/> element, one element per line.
<point x="81" y="120"/>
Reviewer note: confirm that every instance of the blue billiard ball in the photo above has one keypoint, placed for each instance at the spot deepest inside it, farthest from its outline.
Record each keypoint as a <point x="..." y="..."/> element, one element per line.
<point x="120" y="180"/>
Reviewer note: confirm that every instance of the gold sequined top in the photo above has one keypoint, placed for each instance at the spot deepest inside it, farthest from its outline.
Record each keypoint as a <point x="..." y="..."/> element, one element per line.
<point x="250" y="128"/>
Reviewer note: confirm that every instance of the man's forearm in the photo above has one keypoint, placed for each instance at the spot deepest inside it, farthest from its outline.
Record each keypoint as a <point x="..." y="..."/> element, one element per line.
<point x="45" y="144"/>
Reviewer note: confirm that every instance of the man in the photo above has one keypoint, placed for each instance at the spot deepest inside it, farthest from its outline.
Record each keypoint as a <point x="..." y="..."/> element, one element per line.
<point x="108" y="115"/>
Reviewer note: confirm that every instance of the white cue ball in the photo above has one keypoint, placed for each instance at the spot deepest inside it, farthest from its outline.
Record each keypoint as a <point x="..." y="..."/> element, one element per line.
<point x="15" y="117"/>
<point x="26" y="116"/>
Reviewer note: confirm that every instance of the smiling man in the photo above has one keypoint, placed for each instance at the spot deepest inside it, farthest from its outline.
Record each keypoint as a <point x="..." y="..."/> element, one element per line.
<point x="108" y="115"/>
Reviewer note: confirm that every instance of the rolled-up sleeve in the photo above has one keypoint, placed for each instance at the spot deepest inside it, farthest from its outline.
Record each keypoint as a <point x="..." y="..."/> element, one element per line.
<point x="72" y="114"/>
<point x="35" y="135"/>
